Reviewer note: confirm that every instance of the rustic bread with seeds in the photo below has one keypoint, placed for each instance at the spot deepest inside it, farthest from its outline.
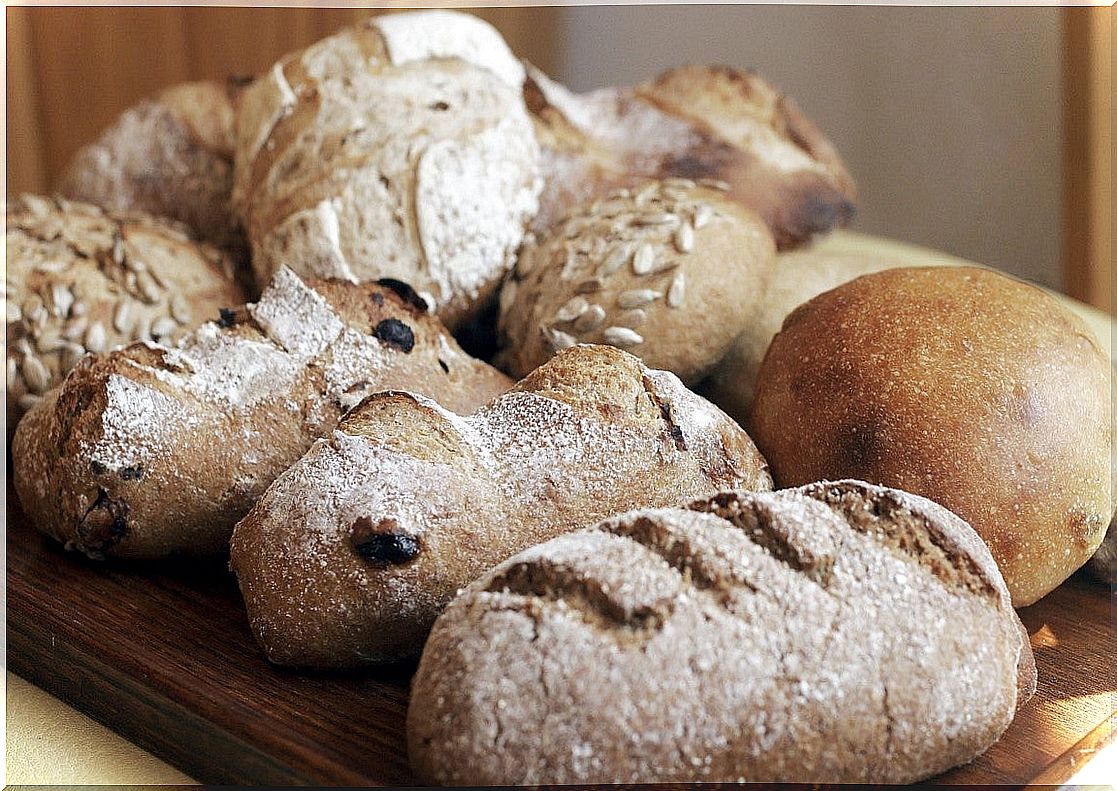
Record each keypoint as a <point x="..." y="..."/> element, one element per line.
<point x="837" y="633"/>
<point x="396" y="148"/>
<point x="959" y="384"/>
<point x="170" y="156"/>
<point x="695" y="122"/>
<point x="152" y="451"/>
<point x="353" y="551"/>
<point x="670" y="272"/>
<point x="81" y="279"/>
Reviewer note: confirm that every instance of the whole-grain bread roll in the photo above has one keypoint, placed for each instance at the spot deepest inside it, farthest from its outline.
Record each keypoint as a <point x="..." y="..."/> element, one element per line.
<point x="960" y="384"/>
<point x="169" y="156"/>
<point x="154" y="450"/>
<point x="693" y="122"/>
<point x="797" y="276"/>
<point x="79" y="279"/>
<point x="670" y="271"/>
<point x="397" y="148"/>
<point x="353" y="552"/>
<point x="837" y="633"/>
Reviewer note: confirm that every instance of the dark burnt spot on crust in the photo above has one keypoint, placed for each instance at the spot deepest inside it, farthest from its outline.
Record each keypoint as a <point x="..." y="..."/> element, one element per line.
<point x="673" y="428"/>
<point x="133" y="473"/>
<point x="440" y="106"/>
<point x="97" y="468"/>
<point x="396" y="334"/>
<point x="382" y="543"/>
<point x="104" y="525"/>
<point x="228" y="318"/>
<point x="442" y="364"/>
<point x="405" y="292"/>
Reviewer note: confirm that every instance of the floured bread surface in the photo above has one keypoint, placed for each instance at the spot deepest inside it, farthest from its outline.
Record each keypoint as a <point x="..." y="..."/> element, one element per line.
<point x="397" y="148"/>
<point x="353" y="551"/>
<point x="155" y="450"/>
<point x="836" y="633"/>
<point x="695" y="122"/>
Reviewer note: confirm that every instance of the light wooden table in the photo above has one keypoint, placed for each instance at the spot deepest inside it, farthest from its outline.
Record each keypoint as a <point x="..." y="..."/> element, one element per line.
<point x="49" y="743"/>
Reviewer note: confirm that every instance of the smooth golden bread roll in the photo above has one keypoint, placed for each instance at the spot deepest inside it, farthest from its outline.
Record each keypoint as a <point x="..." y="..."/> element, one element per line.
<point x="668" y="271"/>
<point x="837" y="633"/>
<point x="153" y="450"/>
<point x="399" y="147"/>
<point x="353" y="551"/>
<point x="959" y="384"/>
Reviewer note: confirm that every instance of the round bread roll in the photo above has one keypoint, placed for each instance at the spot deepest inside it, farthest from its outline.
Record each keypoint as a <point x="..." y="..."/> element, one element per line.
<point x="797" y="276"/>
<point x="397" y="148"/>
<point x="670" y="272"/>
<point x="959" y="384"/>
<point x="79" y="280"/>
<point x="170" y="156"/>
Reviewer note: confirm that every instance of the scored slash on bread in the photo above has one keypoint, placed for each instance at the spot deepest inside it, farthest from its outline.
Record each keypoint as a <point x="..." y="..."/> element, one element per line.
<point x="151" y="451"/>
<point x="355" y="549"/>
<point x="696" y="122"/>
<point x="840" y="632"/>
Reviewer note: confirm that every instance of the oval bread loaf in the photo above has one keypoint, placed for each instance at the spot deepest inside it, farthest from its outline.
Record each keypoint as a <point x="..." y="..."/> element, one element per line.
<point x="169" y="156"/>
<point x="355" y="549"/>
<point x="960" y="384"/>
<point x="151" y="451"/>
<point x="838" y="633"/>
<point x="397" y="148"/>
<point x="693" y="122"/>
<point x="79" y="279"/>
<point x="670" y="272"/>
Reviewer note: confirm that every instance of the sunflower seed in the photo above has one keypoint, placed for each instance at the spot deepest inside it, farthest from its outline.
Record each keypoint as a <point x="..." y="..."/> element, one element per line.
<point x="676" y="294"/>
<point x="714" y="184"/>
<point x="12" y="312"/>
<point x="62" y="298"/>
<point x="29" y="401"/>
<point x="507" y="296"/>
<point x="136" y="265"/>
<point x="590" y="286"/>
<point x="632" y="318"/>
<point x="615" y="260"/>
<point x="684" y="238"/>
<point x="621" y="336"/>
<point x="526" y="261"/>
<point x="31" y="305"/>
<point x="637" y="297"/>
<point x="71" y="355"/>
<point x="52" y="267"/>
<point x="164" y="328"/>
<point x="118" y="250"/>
<point x="23" y="347"/>
<point x="571" y="310"/>
<point x="37" y="206"/>
<point x="657" y="218"/>
<point x="644" y="259"/>
<point x="48" y="342"/>
<point x="95" y="338"/>
<point x="75" y="329"/>
<point x="142" y="330"/>
<point x="35" y="374"/>
<point x="148" y="287"/>
<point x="679" y="183"/>
<point x="702" y="215"/>
<point x="158" y="277"/>
<point x="13" y="373"/>
<point x="560" y="340"/>
<point x="130" y="282"/>
<point x="593" y="318"/>
<point x="645" y="193"/>
<point x="79" y="309"/>
<point x="122" y="317"/>
<point x="180" y="309"/>
<point x="37" y="316"/>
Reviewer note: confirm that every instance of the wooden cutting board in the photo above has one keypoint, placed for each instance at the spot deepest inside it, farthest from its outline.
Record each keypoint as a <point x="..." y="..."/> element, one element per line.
<point x="162" y="654"/>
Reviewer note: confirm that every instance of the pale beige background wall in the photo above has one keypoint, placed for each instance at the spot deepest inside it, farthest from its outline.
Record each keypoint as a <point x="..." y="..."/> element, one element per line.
<point x="949" y="118"/>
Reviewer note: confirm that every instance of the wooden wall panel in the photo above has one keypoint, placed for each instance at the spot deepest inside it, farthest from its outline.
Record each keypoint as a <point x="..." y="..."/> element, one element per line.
<point x="71" y="71"/>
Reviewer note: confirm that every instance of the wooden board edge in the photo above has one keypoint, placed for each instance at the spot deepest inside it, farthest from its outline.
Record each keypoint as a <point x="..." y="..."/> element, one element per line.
<point x="1063" y="768"/>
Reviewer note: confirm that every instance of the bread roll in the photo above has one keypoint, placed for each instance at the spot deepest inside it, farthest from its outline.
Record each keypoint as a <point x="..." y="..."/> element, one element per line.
<point x="79" y="280"/>
<point x="839" y="633"/>
<point x="694" y="122"/>
<point x="962" y="385"/>
<point x="670" y="272"/>
<point x="356" y="548"/>
<point x="396" y="148"/>
<point x="152" y="451"/>
<point x="170" y="156"/>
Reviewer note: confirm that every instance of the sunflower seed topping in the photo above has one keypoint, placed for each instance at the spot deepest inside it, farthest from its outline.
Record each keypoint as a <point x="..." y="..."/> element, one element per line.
<point x="637" y="297"/>
<point x="13" y="373"/>
<point x="657" y="218"/>
<point x="122" y="317"/>
<point x="148" y="287"/>
<point x="615" y="260"/>
<point x="715" y="184"/>
<point x="12" y="311"/>
<point x="29" y="401"/>
<point x="632" y="318"/>
<point x="644" y="260"/>
<point x="560" y="340"/>
<point x="684" y="238"/>
<point x="622" y="336"/>
<point x="71" y="355"/>
<point x="95" y="337"/>
<point x="35" y="374"/>
<point x="75" y="329"/>
<point x="676" y="294"/>
<point x="679" y="183"/>
<point x="571" y="310"/>
<point x="593" y="318"/>
<point x="180" y="309"/>
<point x="590" y="286"/>
<point x="702" y="215"/>
<point x="164" y="328"/>
<point x="62" y="298"/>
<point x="79" y="308"/>
<point x="118" y="250"/>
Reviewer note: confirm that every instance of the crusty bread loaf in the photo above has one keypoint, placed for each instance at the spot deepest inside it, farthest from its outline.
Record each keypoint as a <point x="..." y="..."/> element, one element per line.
<point x="797" y="276"/>
<point x="169" y="156"/>
<point x="396" y="148"/>
<point x="839" y="633"/>
<point x="694" y="122"/>
<point x="962" y="385"/>
<point x="671" y="272"/>
<point x="353" y="551"/>
<point x="79" y="280"/>
<point x="152" y="451"/>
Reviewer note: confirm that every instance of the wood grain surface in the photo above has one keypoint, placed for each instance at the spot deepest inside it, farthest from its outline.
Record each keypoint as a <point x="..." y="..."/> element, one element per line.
<point x="162" y="654"/>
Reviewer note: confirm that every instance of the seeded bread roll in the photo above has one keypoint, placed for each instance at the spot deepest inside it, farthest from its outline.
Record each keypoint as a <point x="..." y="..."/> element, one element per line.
<point x="353" y="551"/>
<point x="670" y="272"/>
<point x="694" y="122"/>
<point x="152" y="451"/>
<point x="79" y="280"/>
<point x="397" y="148"/>
<point x="170" y="156"/>
<point x="959" y="384"/>
<point x="838" y="633"/>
